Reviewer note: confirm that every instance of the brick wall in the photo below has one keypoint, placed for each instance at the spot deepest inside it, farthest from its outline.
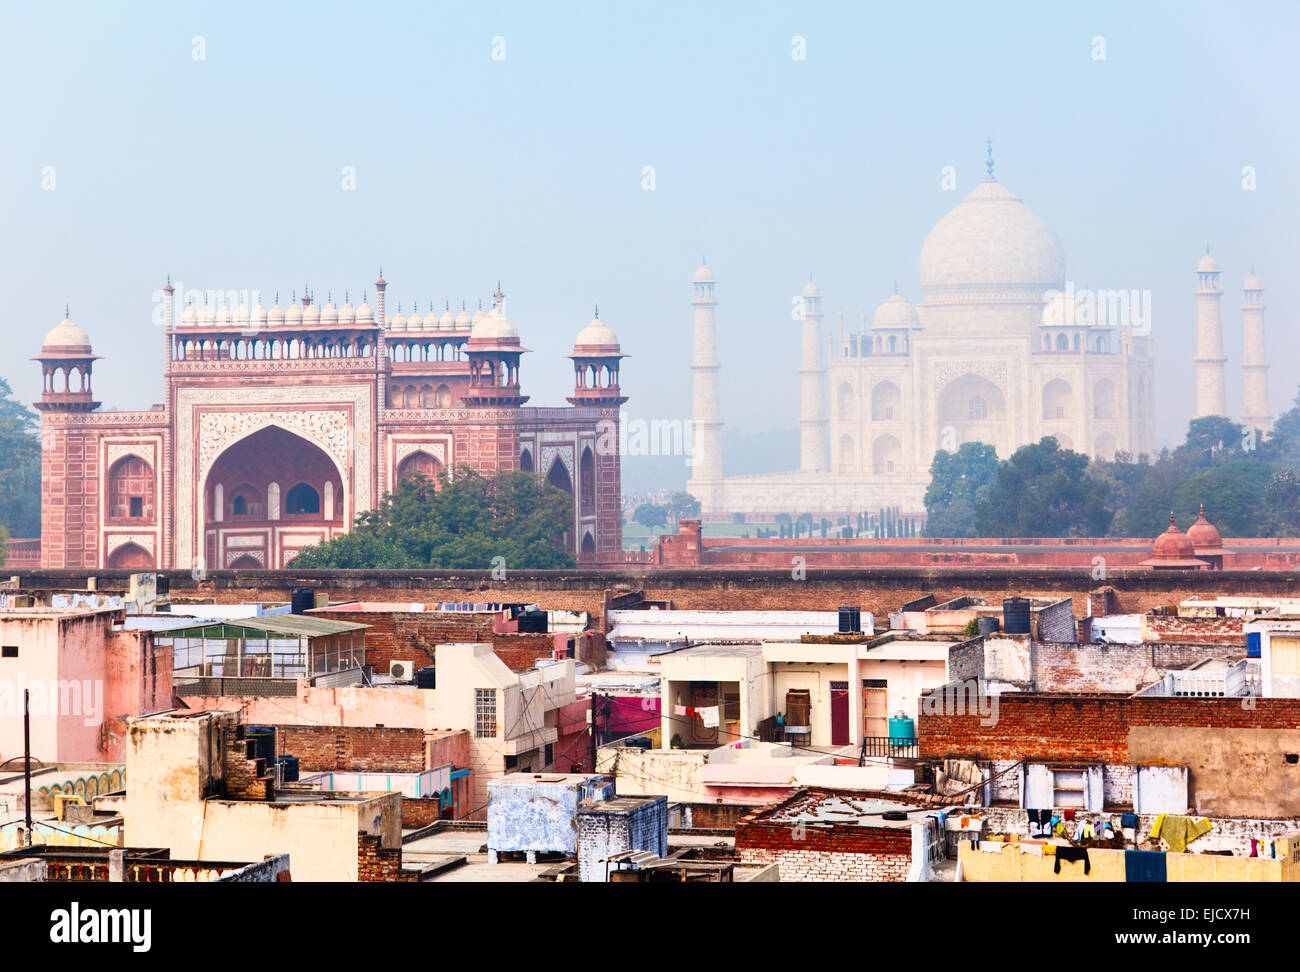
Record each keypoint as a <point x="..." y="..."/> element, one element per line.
<point x="354" y="748"/>
<point x="1086" y="728"/>
<point x="1221" y="631"/>
<point x="376" y="863"/>
<point x="1056" y="622"/>
<point x="1073" y="667"/>
<point x="420" y="811"/>
<point x="245" y="779"/>
<point x="835" y="853"/>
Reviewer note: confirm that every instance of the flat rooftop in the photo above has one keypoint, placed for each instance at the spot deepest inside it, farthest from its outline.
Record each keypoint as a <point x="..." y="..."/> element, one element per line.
<point x="819" y="808"/>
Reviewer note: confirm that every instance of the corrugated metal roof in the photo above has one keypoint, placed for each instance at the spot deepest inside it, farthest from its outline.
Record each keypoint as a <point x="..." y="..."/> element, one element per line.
<point x="275" y="624"/>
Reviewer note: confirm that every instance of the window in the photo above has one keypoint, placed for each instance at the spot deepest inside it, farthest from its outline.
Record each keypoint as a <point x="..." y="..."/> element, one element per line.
<point x="550" y="754"/>
<point x="1286" y="655"/>
<point x="979" y="408"/>
<point x="1069" y="787"/>
<point x="9" y="651"/>
<point x="302" y="499"/>
<point x="137" y="506"/>
<point x="485" y="713"/>
<point x="239" y="507"/>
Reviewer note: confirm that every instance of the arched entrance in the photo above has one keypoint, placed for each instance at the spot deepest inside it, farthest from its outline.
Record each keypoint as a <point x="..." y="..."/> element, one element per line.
<point x="131" y="556"/>
<point x="419" y="463"/>
<point x="270" y="492"/>
<point x="972" y="409"/>
<point x="559" y="478"/>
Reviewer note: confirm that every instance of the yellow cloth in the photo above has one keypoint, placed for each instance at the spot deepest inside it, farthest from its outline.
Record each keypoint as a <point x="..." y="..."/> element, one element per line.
<point x="1179" y="831"/>
<point x="1049" y="850"/>
<point x="1000" y="838"/>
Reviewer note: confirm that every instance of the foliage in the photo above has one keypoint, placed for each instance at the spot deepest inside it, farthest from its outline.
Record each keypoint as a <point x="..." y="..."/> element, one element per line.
<point x="650" y="515"/>
<point x="20" y="467"/>
<point x="465" y="522"/>
<point x="1044" y="491"/>
<point x="683" y="506"/>
<point x="957" y="480"/>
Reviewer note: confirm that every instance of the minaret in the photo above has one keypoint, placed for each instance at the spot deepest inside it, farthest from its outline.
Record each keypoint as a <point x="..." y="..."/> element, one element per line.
<point x="1210" y="396"/>
<point x="706" y="408"/>
<point x="1254" y="362"/>
<point x="812" y="385"/>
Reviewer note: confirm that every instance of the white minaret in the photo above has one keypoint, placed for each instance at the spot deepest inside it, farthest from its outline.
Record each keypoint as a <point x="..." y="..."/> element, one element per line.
<point x="1210" y="396"/>
<point x="706" y="407"/>
<point x="1254" y="362"/>
<point x="812" y="385"/>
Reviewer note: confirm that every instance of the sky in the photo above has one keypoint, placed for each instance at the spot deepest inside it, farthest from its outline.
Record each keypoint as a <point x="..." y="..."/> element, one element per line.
<point x="511" y="142"/>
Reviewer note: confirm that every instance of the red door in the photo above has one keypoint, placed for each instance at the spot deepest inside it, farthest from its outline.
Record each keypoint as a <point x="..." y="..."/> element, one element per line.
<point x="839" y="713"/>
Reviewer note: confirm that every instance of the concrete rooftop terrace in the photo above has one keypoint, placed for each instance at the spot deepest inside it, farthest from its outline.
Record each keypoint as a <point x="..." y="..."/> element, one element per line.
<point x="823" y="809"/>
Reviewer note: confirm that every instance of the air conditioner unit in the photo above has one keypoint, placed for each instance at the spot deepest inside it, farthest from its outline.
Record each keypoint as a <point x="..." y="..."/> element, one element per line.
<point x="402" y="671"/>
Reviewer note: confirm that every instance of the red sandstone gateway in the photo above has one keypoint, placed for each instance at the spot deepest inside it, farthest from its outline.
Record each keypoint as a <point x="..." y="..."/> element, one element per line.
<point x="278" y="427"/>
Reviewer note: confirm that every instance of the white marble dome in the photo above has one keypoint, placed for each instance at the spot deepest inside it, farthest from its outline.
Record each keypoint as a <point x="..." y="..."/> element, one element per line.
<point x="364" y="312"/>
<point x="1252" y="283"/>
<point x="704" y="275"/>
<point x="189" y="315"/>
<point x="494" y="326"/>
<point x="809" y="290"/>
<point x="66" y="335"/>
<point x="989" y="242"/>
<point x="595" y="334"/>
<point x="1207" y="264"/>
<point x="276" y="314"/>
<point x="897" y="312"/>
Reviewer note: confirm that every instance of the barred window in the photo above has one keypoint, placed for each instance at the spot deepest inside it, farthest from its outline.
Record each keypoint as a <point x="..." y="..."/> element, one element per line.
<point x="485" y="713"/>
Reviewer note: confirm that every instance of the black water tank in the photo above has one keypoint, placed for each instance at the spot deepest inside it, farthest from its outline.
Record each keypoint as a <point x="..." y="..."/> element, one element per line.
<point x="289" y="768"/>
<point x="426" y="678"/>
<point x="850" y="620"/>
<point x="532" y="622"/>
<point x="301" y="600"/>
<point x="262" y="739"/>
<point x="986" y="626"/>
<point x="1015" y="615"/>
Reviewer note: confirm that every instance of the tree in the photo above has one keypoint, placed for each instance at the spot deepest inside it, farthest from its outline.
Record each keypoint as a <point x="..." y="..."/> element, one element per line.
<point x="682" y="505"/>
<point x="1044" y="491"/>
<point x="1283" y="497"/>
<point x="957" y="480"/>
<point x="465" y="522"/>
<point x="649" y="515"/>
<point x="20" y="467"/>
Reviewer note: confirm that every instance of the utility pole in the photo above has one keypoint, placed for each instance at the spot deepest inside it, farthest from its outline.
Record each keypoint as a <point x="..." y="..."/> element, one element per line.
<point x="595" y="701"/>
<point x="27" y="762"/>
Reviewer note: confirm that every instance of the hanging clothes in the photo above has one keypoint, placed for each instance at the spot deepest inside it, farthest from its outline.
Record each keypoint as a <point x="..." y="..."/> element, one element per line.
<point x="1128" y="820"/>
<point x="1178" y="831"/>
<point x="1072" y="854"/>
<point x="1144" y="866"/>
<point x="709" y="716"/>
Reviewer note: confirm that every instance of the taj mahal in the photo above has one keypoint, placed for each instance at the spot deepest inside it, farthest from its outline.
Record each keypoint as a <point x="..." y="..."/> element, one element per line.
<point x="1001" y="349"/>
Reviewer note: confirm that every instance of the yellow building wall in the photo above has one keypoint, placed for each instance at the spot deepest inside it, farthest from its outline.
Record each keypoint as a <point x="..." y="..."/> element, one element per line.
<point x="1108" y="866"/>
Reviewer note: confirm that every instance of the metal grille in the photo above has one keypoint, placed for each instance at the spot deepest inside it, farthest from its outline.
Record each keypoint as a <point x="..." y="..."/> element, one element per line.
<point x="485" y="713"/>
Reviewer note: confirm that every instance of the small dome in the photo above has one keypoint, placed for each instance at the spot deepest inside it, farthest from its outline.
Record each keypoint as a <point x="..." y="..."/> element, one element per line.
<point x="276" y="314"/>
<point x="447" y="322"/>
<point x="415" y="322"/>
<point x="189" y="315"/>
<point x="1252" y="283"/>
<point x="595" y="334"/>
<point x="207" y="315"/>
<point x="1202" y="533"/>
<point x="704" y="275"/>
<point x="346" y="314"/>
<point x="896" y="311"/>
<point x="463" y="320"/>
<point x="259" y="314"/>
<point x="294" y="314"/>
<point x="1207" y="264"/>
<point x="66" y="336"/>
<point x="1173" y="544"/>
<point x="241" y="313"/>
<point x="364" y="313"/>
<point x="810" y="290"/>
<point x="329" y="314"/>
<point x="311" y="314"/>
<point x="478" y="316"/>
<point x="493" y="326"/>
<point x="223" y="314"/>
<point x="398" y="321"/>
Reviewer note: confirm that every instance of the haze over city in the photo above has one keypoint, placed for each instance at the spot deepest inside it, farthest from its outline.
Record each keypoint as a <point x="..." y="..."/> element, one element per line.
<point x="227" y="171"/>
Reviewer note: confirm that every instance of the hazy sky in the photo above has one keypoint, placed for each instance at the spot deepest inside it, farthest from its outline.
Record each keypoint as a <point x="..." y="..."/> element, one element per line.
<point x="227" y="171"/>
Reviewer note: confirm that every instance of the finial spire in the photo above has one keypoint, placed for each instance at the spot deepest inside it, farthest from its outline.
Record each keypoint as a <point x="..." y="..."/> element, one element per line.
<point x="988" y="164"/>
<point x="66" y="314"/>
<point x="597" y="311"/>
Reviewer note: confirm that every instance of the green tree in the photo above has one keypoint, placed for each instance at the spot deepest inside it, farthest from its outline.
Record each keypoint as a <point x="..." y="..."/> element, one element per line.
<point x="957" y="480"/>
<point x="682" y="505"/>
<point x="649" y="515"/>
<point x="1044" y="491"/>
<point x="20" y="467"/>
<point x="465" y="522"/>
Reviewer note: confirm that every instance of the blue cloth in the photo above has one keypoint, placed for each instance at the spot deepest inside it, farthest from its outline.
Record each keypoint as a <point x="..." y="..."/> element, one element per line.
<point x="1128" y="820"/>
<point x="1144" y="866"/>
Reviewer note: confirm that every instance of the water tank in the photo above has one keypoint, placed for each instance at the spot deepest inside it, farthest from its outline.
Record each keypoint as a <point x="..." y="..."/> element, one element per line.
<point x="301" y="599"/>
<point x="532" y="622"/>
<point x="288" y="768"/>
<point x="902" y="729"/>
<point x="850" y="620"/>
<point x="1015" y="615"/>
<point x="426" y="678"/>
<point x="986" y="626"/>
<point x="261" y="740"/>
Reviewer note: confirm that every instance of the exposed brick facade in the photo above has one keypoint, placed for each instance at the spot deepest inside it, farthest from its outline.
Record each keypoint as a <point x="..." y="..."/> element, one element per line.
<point x="376" y="863"/>
<point x="356" y="749"/>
